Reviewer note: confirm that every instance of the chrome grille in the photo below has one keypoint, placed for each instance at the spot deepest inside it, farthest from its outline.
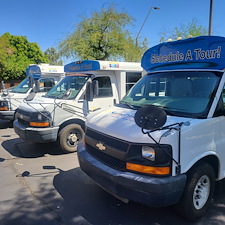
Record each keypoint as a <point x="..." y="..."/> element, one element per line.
<point x="119" y="146"/>
<point x="113" y="142"/>
<point x="23" y="117"/>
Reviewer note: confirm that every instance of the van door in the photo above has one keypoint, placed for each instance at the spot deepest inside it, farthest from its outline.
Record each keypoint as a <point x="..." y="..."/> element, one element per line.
<point x="220" y="135"/>
<point x="106" y="97"/>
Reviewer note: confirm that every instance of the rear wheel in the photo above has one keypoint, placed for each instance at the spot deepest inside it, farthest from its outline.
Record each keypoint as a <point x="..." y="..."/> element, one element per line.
<point x="70" y="136"/>
<point x="198" y="192"/>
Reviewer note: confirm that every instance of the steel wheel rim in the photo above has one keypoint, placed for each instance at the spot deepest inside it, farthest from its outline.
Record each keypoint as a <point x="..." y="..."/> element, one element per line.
<point x="73" y="138"/>
<point x="201" y="192"/>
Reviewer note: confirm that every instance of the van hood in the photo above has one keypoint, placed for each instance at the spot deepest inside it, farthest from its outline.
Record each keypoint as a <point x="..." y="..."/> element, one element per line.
<point x="119" y="122"/>
<point x="38" y="103"/>
<point x="14" y="95"/>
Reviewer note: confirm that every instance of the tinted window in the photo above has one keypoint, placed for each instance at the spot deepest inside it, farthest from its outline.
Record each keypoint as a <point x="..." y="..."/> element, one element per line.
<point x="131" y="79"/>
<point x="46" y="84"/>
<point x="220" y="109"/>
<point x="105" y="87"/>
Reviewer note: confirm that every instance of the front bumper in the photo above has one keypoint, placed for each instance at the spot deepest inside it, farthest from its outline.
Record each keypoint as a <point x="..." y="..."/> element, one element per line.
<point x="151" y="191"/>
<point x="7" y="115"/>
<point x="40" y="135"/>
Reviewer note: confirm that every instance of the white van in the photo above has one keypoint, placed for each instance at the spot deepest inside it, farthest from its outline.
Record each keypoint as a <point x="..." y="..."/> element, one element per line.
<point x="60" y="114"/>
<point x="44" y="76"/>
<point x="164" y="143"/>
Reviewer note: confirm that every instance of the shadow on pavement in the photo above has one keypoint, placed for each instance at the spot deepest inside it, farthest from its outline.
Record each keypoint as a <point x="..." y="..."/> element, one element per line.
<point x="86" y="203"/>
<point x="18" y="148"/>
<point x="27" y="209"/>
<point x="74" y="199"/>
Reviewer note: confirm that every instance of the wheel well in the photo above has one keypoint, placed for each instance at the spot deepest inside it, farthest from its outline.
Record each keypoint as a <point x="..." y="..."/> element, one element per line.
<point x="75" y="121"/>
<point x="14" y="115"/>
<point x="213" y="161"/>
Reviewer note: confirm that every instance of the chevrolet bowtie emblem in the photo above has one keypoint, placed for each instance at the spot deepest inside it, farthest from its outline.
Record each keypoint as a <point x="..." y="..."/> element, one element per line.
<point x="100" y="146"/>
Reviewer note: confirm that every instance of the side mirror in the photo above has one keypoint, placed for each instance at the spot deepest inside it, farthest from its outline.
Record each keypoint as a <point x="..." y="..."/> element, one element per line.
<point x="5" y="92"/>
<point x="30" y="97"/>
<point x="92" y="89"/>
<point x="36" y="86"/>
<point x="2" y="85"/>
<point x="31" y="82"/>
<point x="150" y="117"/>
<point x="89" y="93"/>
<point x="95" y="87"/>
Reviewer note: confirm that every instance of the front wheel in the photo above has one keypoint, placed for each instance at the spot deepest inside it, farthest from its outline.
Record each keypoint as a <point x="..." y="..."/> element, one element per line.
<point x="198" y="192"/>
<point x="70" y="136"/>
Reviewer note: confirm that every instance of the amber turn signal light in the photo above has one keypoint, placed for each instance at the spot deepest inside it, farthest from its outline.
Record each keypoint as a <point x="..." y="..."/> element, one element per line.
<point x="39" y="124"/>
<point x="148" y="169"/>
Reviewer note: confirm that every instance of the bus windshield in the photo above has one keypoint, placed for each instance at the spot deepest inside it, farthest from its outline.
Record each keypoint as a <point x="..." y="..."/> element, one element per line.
<point x="179" y="93"/>
<point x="22" y="87"/>
<point x="68" y="87"/>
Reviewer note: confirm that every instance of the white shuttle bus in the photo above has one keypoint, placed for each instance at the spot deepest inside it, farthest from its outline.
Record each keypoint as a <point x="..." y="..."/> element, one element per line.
<point x="40" y="78"/>
<point x="164" y="144"/>
<point x="60" y="114"/>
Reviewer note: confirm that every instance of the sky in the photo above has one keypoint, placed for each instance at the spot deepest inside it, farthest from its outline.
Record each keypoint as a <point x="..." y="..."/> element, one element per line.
<point x="47" y="22"/>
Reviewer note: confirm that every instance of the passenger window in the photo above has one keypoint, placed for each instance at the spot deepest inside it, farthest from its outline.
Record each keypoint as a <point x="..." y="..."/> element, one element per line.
<point x="105" y="87"/>
<point x="46" y="84"/>
<point x="223" y="96"/>
<point x="131" y="79"/>
<point x="157" y="87"/>
<point x="220" y="109"/>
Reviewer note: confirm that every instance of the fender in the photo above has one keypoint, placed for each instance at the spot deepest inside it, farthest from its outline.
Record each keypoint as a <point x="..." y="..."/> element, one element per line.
<point x="215" y="162"/>
<point x="70" y="121"/>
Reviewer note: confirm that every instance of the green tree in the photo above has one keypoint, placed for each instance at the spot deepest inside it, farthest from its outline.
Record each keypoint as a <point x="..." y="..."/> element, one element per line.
<point x="191" y="29"/>
<point x="16" y="53"/>
<point x="5" y="50"/>
<point x="103" y="36"/>
<point x="53" y="56"/>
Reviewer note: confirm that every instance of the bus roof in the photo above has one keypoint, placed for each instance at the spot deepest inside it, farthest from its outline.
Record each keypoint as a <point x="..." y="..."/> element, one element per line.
<point x="92" y="65"/>
<point x="203" y="52"/>
<point x="37" y="70"/>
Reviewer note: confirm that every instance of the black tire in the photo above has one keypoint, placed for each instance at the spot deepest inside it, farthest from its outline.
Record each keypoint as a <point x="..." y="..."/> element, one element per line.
<point x="198" y="192"/>
<point x="70" y="136"/>
<point x="10" y="123"/>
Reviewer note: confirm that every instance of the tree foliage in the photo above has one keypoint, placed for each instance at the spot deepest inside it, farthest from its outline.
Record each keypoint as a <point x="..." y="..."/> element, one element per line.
<point x="53" y="56"/>
<point x="191" y="29"/>
<point x="5" y="50"/>
<point x="103" y="36"/>
<point x="16" y="53"/>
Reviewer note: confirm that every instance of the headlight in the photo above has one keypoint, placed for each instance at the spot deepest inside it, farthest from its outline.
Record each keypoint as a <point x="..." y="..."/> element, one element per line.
<point x="4" y="106"/>
<point x="40" y="119"/>
<point x="150" y="159"/>
<point x="148" y="153"/>
<point x="39" y="116"/>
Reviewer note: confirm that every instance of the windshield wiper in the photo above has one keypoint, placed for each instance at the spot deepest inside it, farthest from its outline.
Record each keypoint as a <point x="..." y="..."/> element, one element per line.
<point x="129" y="105"/>
<point x="63" y="95"/>
<point x="56" y="95"/>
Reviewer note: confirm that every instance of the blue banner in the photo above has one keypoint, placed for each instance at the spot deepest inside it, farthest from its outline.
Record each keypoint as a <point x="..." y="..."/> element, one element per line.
<point x="34" y="71"/>
<point x="203" y="52"/>
<point x="85" y="65"/>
